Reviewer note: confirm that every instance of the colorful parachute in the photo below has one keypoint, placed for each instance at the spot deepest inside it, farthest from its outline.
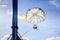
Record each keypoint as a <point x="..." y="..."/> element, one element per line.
<point x="35" y="15"/>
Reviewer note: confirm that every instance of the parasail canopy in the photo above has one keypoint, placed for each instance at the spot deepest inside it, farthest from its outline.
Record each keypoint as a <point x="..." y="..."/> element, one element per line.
<point x="35" y="15"/>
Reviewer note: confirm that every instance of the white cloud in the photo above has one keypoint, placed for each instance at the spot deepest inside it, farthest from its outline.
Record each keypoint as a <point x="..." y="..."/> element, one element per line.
<point x="53" y="38"/>
<point x="3" y="5"/>
<point x="25" y="38"/>
<point x="7" y="36"/>
<point x="9" y="12"/>
<point x="20" y="17"/>
<point x="55" y="3"/>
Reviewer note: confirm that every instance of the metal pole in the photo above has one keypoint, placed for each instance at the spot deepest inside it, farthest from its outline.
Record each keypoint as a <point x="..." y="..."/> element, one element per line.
<point x="14" y="19"/>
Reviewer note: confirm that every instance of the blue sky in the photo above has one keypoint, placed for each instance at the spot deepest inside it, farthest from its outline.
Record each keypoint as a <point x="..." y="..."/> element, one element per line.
<point x="47" y="30"/>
